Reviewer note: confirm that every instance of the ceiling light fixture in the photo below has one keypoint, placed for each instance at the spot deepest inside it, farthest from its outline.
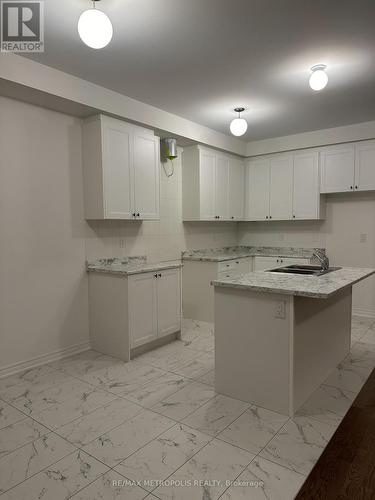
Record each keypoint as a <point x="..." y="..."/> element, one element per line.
<point x="95" y="28"/>
<point x="318" y="78"/>
<point x="238" y="126"/>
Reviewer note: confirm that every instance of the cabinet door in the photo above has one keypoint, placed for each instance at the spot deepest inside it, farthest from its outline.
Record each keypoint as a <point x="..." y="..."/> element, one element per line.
<point x="146" y="175"/>
<point x="169" y="301"/>
<point x="236" y="189"/>
<point x="337" y="169"/>
<point x="221" y="187"/>
<point x="365" y="166"/>
<point x="306" y="193"/>
<point x="143" y="323"/>
<point x="117" y="170"/>
<point x="266" y="263"/>
<point x="207" y="185"/>
<point x="257" y="190"/>
<point x="281" y="187"/>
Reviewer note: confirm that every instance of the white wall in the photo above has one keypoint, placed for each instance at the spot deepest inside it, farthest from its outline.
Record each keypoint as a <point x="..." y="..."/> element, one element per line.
<point x="159" y="240"/>
<point x="44" y="238"/>
<point x="348" y="216"/>
<point x="26" y="79"/>
<point x="334" y="135"/>
<point x="43" y="284"/>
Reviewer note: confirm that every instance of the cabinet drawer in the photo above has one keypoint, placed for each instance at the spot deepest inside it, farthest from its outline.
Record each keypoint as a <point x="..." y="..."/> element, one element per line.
<point x="229" y="274"/>
<point x="234" y="268"/>
<point x="227" y="265"/>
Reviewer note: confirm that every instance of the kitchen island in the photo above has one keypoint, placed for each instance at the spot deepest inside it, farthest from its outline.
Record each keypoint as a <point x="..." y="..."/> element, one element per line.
<point x="278" y="336"/>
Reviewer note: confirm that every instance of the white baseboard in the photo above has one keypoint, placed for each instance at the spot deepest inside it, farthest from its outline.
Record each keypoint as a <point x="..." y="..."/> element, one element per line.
<point x="5" y="371"/>
<point x="363" y="311"/>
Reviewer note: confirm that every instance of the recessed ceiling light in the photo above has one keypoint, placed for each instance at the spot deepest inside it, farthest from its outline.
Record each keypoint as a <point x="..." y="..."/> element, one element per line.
<point x="318" y="78"/>
<point x="238" y="126"/>
<point x="95" y="28"/>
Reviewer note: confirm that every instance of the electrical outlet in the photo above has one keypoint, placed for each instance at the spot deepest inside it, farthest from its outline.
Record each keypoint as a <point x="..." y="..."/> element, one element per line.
<point x="122" y="243"/>
<point x="280" y="310"/>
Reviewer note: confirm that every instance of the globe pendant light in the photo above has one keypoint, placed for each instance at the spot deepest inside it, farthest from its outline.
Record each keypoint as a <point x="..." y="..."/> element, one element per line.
<point x="238" y="126"/>
<point x="318" y="78"/>
<point x="95" y="28"/>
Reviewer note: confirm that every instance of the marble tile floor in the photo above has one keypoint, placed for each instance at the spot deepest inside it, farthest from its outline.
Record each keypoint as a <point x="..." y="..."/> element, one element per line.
<point x="90" y="427"/>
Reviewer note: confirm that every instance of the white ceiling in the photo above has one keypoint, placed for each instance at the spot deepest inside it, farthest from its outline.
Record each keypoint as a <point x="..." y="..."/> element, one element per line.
<point x="201" y="58"/>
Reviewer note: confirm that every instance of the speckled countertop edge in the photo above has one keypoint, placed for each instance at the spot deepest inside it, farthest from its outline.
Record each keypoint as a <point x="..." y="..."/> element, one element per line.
<point x="128" y="266"/>
<point x="240" y="252"/>
<point x="304" y="286"/>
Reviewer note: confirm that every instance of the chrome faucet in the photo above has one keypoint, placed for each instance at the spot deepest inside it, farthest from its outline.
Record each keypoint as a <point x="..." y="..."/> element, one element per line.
<point x="322" y="258"/>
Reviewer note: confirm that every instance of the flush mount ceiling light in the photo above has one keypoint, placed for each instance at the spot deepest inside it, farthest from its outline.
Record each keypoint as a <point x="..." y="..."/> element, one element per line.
<point x="95" y="28"/>
<point x="238" y="126"/>
<point x="318" y="78"/>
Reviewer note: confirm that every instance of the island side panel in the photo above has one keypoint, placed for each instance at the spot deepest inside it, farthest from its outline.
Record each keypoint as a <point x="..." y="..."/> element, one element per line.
<point x="108" y="302"/>
<point x="322" y="329"/>
<point x="197" y="292"/>
<point x="252" y="347"/>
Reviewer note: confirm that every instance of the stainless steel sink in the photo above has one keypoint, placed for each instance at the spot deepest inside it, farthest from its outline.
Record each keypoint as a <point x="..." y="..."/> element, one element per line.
<point x="304" y="270"/>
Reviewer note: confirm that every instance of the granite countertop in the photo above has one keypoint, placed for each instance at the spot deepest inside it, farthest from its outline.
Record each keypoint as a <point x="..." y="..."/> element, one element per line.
<point x="320" y="287"/>
<point x="238" y="252"/>
<point x="128" y="265"/>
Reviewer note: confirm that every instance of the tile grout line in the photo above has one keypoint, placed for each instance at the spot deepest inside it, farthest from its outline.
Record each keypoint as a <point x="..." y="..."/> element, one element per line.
<point x="146" y="408"/>
<point x="43" y="469"/>
<point x="212" y="438"/>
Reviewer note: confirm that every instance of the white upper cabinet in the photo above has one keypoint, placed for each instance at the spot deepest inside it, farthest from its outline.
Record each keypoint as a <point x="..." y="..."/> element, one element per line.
<point x="146" y="175"/>
<point x="207" y="184"/>
<point x="236" y="195"/>
<point x="258" y="189"/>
<point x="348" y="167"/>
<point x="222" y="187"/>
<point x="117" y="171"/>
<point x="212" y="185"/>
<point x="337" y="168"/>
<point x="306" y="195"/>
<point x="364" y="166"/>
<point x="281" y="187"/>
<point x="121" y="170"/>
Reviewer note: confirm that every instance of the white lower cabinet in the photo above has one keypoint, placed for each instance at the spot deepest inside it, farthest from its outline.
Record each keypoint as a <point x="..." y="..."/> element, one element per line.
<point x="169" y="302"/>
<point x="155" y="305"/>
<point x="143" y="308"/>
<point x="198" y="293"/>
<point x="129" y="312"/>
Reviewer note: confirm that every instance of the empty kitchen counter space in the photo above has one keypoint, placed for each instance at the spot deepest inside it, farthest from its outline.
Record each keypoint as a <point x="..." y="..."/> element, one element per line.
<point x="278" y="336"/>
<point x="205" y="265"/>
<point x="134" y="305"/>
